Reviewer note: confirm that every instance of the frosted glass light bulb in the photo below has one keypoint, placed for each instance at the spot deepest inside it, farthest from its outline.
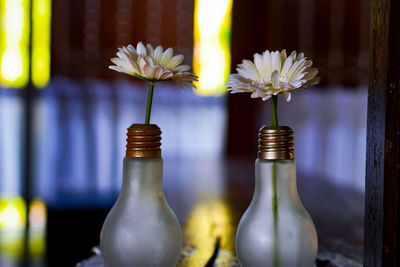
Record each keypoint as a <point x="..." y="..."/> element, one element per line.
<point x="141" y="229"/>
<point x="276" y="230"/>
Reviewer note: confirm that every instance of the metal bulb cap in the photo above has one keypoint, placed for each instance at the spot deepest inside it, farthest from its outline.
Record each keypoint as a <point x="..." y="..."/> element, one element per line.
<point x="275" y="143"/>
<point x="144" y="141"/>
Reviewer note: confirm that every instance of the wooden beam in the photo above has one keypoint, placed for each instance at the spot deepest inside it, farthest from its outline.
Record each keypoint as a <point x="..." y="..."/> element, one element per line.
<point x="383" y="147"/>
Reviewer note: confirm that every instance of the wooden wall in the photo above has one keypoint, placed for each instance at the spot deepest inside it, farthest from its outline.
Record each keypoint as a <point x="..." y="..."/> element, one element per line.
<point x="86" y="33"/>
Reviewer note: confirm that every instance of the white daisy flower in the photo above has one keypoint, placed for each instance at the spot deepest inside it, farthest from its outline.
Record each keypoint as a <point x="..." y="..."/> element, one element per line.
<point x="273" y="73"/>
<point x="153" y="65"/>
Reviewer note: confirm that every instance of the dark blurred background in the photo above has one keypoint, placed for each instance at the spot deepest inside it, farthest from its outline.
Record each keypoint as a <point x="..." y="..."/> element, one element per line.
<point x="64" y="114"/>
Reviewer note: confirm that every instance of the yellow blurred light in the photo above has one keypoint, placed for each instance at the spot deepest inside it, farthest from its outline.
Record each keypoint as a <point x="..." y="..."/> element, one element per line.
<point x="37" y="228"/>
<point x="12" y="214"/>
<point x="210" y="219"/>
<point x="37" y="245"/>
<point x="41" y="32"/>
<point x="11" y="66"/>
<point x="37" y="215"/>
<point x="14" y="43"/>
<point x="212" y="36"/>
<point x="12" y="246"/>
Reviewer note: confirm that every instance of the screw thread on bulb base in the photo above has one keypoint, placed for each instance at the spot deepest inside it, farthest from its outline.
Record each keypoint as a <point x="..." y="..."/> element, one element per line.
<point x="275" y="143"/>
<point x="144" y="141"/>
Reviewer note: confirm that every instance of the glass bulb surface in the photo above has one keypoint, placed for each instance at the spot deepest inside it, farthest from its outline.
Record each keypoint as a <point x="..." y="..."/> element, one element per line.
<point x="141" y="229"/>
<point x="276" y="230"/>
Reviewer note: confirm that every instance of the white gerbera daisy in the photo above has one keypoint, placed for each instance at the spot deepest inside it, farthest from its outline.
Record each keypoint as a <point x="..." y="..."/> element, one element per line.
<point x="273" y="73"/>
<point x="153" y="65"/>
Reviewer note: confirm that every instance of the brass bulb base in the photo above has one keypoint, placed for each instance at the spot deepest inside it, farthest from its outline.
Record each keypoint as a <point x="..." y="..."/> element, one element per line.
<point x="275" y="143"/>
<point x="144" y="141"/>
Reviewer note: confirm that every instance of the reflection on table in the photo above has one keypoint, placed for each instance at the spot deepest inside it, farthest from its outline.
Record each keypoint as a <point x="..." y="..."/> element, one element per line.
<point x="19" y="245"/>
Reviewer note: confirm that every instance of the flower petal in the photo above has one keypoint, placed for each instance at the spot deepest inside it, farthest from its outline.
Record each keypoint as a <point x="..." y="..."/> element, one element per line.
<point x="166" y="57"/>
<point x="132" y="52"/>
<point x="261" y="67"/>
<point x="312" y="82"/>
<point x="276" y="61"/>
<point x="293" y="55"/>
<point x="288" y="96"/>
<point x="150" y="50"/>
<point x="149" y="61"/>
<point x="148" y="71"/>
<point x="268" y="62"/>
<point x="141" y="50"/>
<point x="158" y="52"/>
<point x="175" y="61"/>
<point x="157" y="72"/>
<point x="182" y="68"/>
<point x="286" y="66"/>
<point x="283" y="57"/>
<point x="311" y="74"/>
<point x="124" y="64"/>
<point x="248" y="70"/>
<point x="141" y="63"/>
<point x="275" y="79"/>
<point x="167" y="74"/>
<point x="266" y="97"/>
<point x="300" y="56"/>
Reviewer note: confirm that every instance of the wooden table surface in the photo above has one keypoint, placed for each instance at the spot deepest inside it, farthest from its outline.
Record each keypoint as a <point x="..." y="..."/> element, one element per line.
<point x="210" y="201"/>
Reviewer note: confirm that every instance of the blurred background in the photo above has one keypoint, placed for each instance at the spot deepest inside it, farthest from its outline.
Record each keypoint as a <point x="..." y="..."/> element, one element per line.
<point x="64" y="115"/>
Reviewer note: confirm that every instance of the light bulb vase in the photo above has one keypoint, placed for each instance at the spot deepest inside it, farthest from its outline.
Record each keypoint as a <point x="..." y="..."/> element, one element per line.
<point x="141" y="229"/>
<point x="276" y="230"/>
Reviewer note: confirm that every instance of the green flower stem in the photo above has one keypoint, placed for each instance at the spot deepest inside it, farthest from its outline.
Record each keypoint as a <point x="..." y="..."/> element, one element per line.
<point x="149" y="102"/>
<point x="274" y="122"/>
<point x="275" y="213"/>
<point x="274" y="114"/>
